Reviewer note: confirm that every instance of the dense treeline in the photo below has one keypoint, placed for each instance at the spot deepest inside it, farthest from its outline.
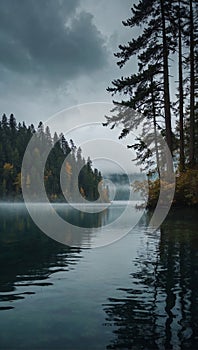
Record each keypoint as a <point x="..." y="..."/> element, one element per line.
<point x="14" y="139"/>
<point x="166" y="52"/>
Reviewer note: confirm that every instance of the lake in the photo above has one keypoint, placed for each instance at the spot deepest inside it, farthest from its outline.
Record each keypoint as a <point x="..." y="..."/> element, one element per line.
<point x="140" y="292"/>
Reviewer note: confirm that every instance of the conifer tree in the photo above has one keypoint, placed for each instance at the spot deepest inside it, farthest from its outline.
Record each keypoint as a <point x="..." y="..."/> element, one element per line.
<point x="13" y="142"/>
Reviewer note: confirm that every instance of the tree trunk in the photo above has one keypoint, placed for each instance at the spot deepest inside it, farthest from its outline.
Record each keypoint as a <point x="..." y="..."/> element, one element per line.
<point x="155" y="128"/>
<point x="181" y="98"/>
<point x="166" y="82"/>
<point x="192" y="90"/>
<point x="166" y="89"/>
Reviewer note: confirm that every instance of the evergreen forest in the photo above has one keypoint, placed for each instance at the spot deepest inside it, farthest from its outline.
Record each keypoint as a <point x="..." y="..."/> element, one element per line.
<point x="14" y="139"/>
<point x="163" y="90"/>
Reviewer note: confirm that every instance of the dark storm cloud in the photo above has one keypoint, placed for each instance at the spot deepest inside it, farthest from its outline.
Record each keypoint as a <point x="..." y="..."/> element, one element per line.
<point x="49" y="38"/>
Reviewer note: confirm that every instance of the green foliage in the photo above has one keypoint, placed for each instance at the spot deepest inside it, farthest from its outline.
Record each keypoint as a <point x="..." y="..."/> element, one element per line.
<point x="13" y="142"/>
<point x="167" y="32"/>
<point x="186" y="190"/>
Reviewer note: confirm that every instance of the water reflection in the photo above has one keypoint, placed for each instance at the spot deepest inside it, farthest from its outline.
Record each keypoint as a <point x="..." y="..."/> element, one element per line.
<point x="28" y="257"/>
<point x="160" y="309"/>
<point x="76" y="228"/>
<point x="81" y="218"/>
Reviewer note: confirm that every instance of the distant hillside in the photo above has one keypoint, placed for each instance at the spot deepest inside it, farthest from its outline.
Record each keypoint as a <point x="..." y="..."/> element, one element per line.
<point x="123" y="183"/>
<point x="14" y="139"/>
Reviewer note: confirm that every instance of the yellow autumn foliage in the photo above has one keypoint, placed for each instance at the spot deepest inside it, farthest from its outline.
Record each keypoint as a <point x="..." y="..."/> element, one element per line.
<point x="186" y="189"/>
<point x="68" y="169"/>
<point x="8" y="166"/>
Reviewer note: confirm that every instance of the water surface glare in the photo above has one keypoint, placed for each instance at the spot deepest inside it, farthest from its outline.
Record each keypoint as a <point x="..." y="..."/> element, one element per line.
<point x="138" y="293"/>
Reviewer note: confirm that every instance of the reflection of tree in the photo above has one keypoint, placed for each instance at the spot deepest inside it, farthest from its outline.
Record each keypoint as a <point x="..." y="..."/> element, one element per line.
<point x="81" y="218"/>
<point x="178" y="249"/>
<point x="28" y="257"/>
<point x="159" y="310"/>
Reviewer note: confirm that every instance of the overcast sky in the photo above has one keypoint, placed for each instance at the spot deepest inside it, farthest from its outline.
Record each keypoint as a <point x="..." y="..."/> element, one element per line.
<point x="55" y="54"/>
<point x="59" y="53"/>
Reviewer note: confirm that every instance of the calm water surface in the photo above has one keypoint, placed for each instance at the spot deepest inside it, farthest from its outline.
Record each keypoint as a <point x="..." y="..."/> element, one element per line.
<point x="137" y="293"/>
